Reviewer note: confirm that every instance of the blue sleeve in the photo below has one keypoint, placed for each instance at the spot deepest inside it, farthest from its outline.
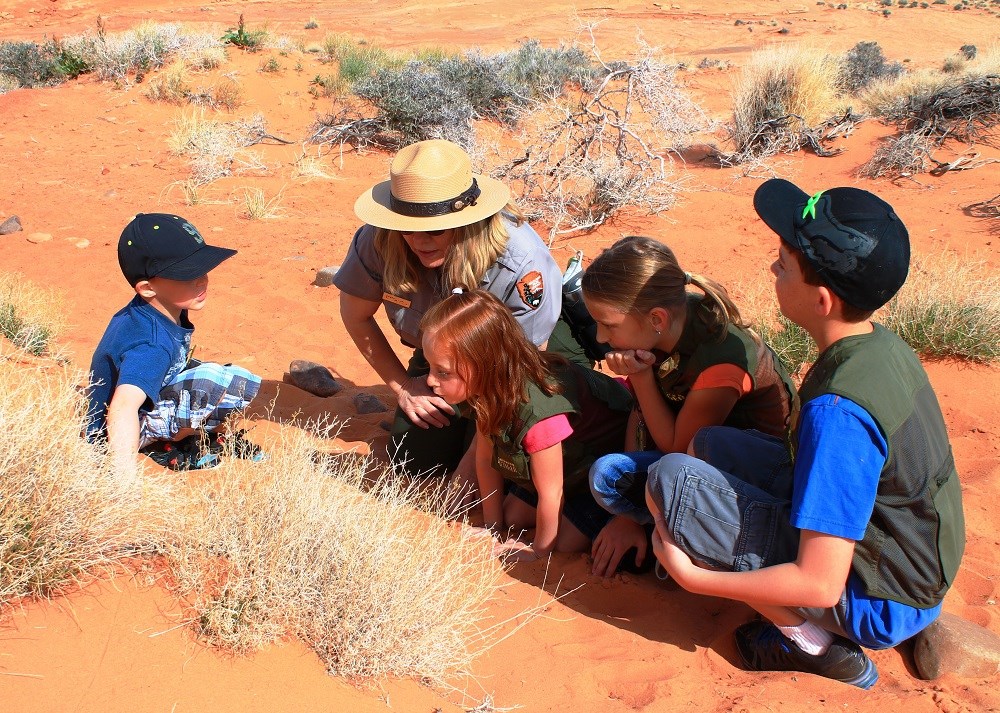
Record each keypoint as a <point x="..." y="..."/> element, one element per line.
<point x="145" y="366"/>
<point x="838" y="461"/>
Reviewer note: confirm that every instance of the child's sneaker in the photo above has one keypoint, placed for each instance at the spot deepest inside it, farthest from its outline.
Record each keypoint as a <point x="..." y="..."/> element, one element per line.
<point x="185" y="454"/>
<point x="764" y="648"/>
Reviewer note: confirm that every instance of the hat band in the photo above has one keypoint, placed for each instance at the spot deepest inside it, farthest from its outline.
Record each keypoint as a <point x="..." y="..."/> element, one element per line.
<point x="426" y="210"/>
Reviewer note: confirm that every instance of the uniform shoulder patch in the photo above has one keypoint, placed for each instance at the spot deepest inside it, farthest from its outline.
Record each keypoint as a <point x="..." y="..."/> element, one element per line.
<point x="531" y="287"/>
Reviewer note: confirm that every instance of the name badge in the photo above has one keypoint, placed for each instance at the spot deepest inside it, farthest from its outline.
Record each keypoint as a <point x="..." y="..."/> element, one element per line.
<point x="386" y="297"/>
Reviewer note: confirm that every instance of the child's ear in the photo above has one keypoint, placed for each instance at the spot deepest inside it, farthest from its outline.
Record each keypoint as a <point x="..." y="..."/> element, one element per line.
<point x="145" y="290"/>
<point x="825" y="301"/>
<point x="659" y="317"/>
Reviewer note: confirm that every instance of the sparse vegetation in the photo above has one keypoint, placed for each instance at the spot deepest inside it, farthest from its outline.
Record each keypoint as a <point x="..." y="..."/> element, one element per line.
<point x="370" y="573"/>
<point x="781" y="99"/>
<point x="863" y="64"/>
<point x="216" y="148"/>
<point x="257" y="206"/>
<point x="65" y="518"/>
<point x="240" y="36"/>
<point x="30" y="316"/>
<point x="170" y="85"/>
<point x="949" y="307"/>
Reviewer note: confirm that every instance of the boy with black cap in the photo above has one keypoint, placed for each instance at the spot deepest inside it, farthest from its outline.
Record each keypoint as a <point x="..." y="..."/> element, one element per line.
<point x="146" y="392"/>
<point x="854" y="539"/>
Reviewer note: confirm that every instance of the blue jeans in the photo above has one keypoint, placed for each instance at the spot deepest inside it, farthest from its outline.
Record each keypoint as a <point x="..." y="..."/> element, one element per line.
<point x="729" y="509"/>
<point x="618" y="482"/>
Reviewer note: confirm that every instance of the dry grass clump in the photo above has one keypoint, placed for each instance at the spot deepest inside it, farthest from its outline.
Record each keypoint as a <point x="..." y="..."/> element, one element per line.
<point x="31" y="317"/>
<point x="782" y="96"/>
<point x="225" y="94"/>
<point x="949" y="307"/>
<point x="257" y="206"/>
<point x="171" y="85"/>
<point x="215" y="148"/>
<point x="371" y="575"/>
<point x="897" y="156"/>
<point x="65" y="518"/>
<point x="8" y="83"/>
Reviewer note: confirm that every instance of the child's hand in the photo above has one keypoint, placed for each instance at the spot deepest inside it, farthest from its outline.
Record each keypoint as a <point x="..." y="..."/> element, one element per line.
<point x="421" y="405"/>
<point x="630" y="361"/>
<point x="513" y="550"/>
<point x="617" y="537"/>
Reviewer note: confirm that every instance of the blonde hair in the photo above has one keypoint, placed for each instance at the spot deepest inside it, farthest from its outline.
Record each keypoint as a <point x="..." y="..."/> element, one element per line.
<point x="475" y="248"/>
<point x="492" y="354"/>
<point x="638" y="273"/>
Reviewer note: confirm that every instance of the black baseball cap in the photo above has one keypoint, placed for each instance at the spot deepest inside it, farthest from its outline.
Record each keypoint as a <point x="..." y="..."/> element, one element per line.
<point x="164" y="245"/>
<point x="852" y="238"/>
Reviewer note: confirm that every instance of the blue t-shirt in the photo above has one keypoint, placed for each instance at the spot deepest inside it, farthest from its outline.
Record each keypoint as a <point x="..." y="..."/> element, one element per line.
<point x="840" y="456"/>
<point x="141" y="347"/>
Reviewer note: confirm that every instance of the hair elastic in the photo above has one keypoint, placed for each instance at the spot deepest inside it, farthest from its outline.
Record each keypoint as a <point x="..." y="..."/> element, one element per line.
<point x="687" y="278"/>
<point x="457" y="290"/>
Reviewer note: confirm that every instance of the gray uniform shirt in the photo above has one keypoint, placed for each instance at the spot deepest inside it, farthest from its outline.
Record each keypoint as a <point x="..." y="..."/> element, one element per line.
<point x="525" y="278"/>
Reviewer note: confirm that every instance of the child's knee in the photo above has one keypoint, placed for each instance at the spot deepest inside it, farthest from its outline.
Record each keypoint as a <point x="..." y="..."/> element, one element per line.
<point x="666" y="477"/>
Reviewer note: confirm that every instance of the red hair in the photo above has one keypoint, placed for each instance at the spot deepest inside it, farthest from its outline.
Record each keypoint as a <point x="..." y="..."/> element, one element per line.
<point x="492" y="354"/>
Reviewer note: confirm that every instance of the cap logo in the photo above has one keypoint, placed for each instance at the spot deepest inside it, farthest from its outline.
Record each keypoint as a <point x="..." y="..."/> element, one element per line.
<point x="810" y="208"/>
<point x="193" y="232"/>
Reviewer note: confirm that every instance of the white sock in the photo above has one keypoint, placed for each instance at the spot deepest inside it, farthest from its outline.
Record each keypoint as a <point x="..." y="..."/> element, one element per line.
<point x="813" y="639"/>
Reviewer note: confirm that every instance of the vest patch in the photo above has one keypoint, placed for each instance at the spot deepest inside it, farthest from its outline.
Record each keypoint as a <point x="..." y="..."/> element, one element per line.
<point x="531" y="287"/>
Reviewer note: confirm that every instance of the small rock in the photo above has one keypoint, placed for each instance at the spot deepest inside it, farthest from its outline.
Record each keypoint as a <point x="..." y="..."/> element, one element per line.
<point x="385" y="425"/>
<point x="11" y="225"/>
<point x="39" y="237"/>
<point x="369" y="403"/>
<point x="953" y="645"/>
<point x="324" y="277"/>
<point x="312" y="377"/>
<point x="294" y="258"/>
<point x="82" y="243"/>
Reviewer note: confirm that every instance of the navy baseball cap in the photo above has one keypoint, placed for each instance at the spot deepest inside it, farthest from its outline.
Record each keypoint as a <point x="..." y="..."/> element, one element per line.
<point x="852" y="238"/>
<point x="164" y="245"/>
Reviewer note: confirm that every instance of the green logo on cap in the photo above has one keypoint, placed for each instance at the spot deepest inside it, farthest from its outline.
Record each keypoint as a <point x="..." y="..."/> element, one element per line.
<point x="193" y="231"/>
<point x="810" y="208"/>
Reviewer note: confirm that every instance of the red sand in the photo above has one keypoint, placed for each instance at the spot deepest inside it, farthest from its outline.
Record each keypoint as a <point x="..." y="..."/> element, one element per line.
<point x="80" y="159"/>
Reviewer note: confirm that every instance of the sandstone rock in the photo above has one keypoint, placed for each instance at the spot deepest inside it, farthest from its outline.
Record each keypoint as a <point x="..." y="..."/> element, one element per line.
<point x="39" y="237"/>
<point x="312" y="377"/>
<point x="82" y="243"/>
<point x="11" y="225"/>
<point x="369" y="403"/>
<point x="324" y="277"/>
<point x="953" y="645"/>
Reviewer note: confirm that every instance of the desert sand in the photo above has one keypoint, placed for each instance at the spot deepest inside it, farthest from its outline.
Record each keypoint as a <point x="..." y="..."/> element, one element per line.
<point x="78" y="160"/>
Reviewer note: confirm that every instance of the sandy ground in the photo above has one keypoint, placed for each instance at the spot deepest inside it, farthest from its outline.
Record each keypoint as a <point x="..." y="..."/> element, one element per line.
<point x="79" y="160"/>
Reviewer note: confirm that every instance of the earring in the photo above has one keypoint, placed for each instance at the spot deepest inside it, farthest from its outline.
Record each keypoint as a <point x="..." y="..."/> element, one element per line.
<point x="658" y="332"/>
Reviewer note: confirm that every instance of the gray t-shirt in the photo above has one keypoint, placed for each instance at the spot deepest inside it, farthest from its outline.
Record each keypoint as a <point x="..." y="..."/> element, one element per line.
<point x="525" y="278"/>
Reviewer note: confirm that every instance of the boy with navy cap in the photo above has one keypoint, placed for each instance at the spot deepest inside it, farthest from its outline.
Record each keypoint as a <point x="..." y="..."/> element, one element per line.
<point x="147" y="393"/>
<point x="852" y="539"/>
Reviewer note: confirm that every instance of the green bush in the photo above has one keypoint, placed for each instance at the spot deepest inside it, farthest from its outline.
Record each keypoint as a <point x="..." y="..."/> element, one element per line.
<point x="863" y="64"/>
<point x="29" y="64"/>
<point x="250" y="40"/>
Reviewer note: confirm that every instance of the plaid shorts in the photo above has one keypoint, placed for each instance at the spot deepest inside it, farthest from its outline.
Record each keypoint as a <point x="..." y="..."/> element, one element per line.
<point x="201" y="397"/>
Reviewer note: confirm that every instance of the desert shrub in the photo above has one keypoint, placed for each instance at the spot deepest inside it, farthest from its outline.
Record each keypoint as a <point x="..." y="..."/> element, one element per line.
<point x="131" y="54"/>
<point x="240" y="36"/>
<point x="414" y="104"/>
<point x="940" y="106"/>
<point x="949" y="307"/>
<point x="438" y="95"/>
<point x="29" y="64"/>
<point x="371" y="575"/>
<point x="170" y="85"/>
<point x="584" y="158"/>
<point x="30" y="316"/>
<point x="863" y="64"/>
<point x="902" y="155"/>
<point x="215" y="148"/>
<point x="953" y="64"/>
<point x="311" y="24"/>
<point x="226" y="94"/>
<point x="269" y="66"/>
<point x="65" y="517"/>
<point x="201" y="51"/>
<point x="782" y="95"/>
